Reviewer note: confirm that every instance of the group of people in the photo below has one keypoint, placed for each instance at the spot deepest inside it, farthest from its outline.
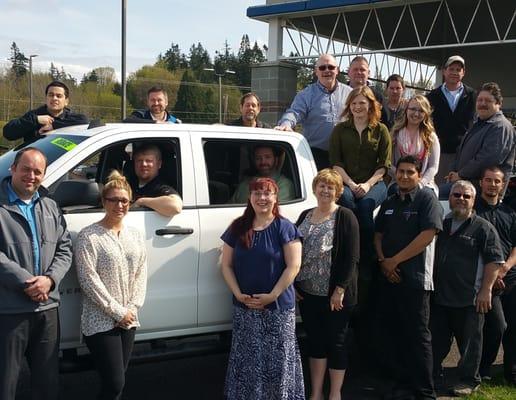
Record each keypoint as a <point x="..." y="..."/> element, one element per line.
<point x="426" y="277"/>
<point x="419" y="277"/>
<point x="110" y="258"/>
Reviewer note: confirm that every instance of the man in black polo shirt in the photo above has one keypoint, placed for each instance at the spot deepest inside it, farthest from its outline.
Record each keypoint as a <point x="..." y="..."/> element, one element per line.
<point x="404" y="239"/>
<point x="468" y="258"/>
<point x="148" y="188"/>
<point x="502" y="316"/>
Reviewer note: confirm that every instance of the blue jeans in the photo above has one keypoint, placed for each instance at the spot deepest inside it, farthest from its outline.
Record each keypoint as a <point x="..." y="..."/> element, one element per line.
<point x="363" y="209"/>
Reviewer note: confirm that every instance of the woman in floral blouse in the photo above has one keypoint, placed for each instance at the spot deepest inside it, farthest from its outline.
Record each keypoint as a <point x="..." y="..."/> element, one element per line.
<point x="111" y="267"/>
<point x="326" y="286"/>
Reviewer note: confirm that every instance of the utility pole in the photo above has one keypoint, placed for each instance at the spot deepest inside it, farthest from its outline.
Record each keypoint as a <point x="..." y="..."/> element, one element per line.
<point x="124" y="59"/>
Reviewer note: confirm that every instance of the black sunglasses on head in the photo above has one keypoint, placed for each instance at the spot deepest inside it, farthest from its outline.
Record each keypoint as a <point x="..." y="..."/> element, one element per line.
<point x="326" y="66"/>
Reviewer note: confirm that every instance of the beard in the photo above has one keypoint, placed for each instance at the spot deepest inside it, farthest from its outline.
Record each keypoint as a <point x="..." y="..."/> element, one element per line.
<point x="460" y="212"/>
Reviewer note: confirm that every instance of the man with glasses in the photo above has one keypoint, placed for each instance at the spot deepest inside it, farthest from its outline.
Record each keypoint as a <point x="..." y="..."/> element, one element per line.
<point x="453" y="105"/>
<point x="35" y="254"/>
<point x="318" y="108"/>
<point x="148" y="188"/>
<point x="266" y="160"/>
<point x="53" y="115"/>
<point x="467" y="261"/>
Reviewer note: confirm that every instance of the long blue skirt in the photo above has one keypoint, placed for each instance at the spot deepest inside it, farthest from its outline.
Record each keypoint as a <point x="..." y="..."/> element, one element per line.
<point x="264" y="362"/>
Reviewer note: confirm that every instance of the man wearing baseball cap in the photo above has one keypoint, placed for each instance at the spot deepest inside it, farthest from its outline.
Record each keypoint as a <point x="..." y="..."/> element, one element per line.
<point x="453" y="106"/>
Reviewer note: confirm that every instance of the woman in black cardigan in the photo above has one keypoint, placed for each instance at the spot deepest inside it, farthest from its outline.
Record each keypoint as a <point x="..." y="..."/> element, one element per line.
<point x="327" y="283"/>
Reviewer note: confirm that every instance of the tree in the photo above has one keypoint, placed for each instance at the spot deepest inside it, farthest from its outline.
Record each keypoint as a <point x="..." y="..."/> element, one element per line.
<point x="199" y="59"/>
<point x="173" y="59"/>
<point x="194" y="102"/>
<point x="19" y="61"/>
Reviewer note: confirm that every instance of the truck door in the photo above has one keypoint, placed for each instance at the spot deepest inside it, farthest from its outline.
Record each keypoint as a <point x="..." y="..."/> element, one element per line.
<point x="172" y="244"/>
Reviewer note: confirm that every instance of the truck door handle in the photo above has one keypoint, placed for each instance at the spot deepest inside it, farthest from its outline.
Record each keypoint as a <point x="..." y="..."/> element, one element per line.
<point x="174" y="230"/>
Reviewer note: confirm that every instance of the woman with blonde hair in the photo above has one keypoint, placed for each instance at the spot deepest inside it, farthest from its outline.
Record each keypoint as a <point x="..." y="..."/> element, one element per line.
<point x="414" y="134"/>
<point x="327" y="283"/>
<point x="360" y="151"/>
<point x="111" y="267"/>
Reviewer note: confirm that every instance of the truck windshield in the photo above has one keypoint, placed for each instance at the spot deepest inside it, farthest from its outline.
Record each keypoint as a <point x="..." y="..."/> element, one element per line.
<point x="53" y="146"/>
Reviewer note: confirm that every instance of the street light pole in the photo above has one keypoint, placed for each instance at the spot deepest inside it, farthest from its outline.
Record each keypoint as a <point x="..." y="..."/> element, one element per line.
<point x="31" y="92"/>
<point x="220" y="75"/>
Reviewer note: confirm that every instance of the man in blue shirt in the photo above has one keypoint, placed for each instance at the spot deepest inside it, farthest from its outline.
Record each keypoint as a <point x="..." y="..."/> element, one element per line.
<point x="318" y="108"/>
<point x="35" y="254"/>
<point x="157" y="101"/>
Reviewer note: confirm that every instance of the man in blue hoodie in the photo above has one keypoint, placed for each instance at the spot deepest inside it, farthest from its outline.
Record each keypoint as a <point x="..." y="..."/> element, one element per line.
<point x="157" y="103"/>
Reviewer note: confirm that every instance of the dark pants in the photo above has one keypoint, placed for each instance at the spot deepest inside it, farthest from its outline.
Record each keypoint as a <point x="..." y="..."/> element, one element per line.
<point x="494" y="327"/>
<point x="321" y="158"/>
<point x="111" y="351"/>
<point x="326" y="330"/>
<point x="509" y="338"/>
<point x="36" y="336"/>
<point x="364" y="209"/>
<point x="466" y="325"/>
<point x="406" y="313"/>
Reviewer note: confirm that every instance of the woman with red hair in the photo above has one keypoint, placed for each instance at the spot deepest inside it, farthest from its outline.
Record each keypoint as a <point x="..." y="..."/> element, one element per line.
<point x="260" y="259"/>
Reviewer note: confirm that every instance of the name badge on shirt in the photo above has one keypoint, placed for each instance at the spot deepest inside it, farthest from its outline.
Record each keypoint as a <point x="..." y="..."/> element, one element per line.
<point x="389" y="212"/>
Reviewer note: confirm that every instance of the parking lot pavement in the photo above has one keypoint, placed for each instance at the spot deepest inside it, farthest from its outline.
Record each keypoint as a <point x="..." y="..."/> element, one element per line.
<point x="202" y="377"/>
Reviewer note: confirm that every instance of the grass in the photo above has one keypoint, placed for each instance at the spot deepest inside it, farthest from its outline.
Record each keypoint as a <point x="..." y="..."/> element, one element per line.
<point x="494" y="390"/>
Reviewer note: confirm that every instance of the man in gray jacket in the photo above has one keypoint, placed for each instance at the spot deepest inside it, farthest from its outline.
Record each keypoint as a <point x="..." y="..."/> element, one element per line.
<point x="490" y="141"/>
<point x="35" y="254"/>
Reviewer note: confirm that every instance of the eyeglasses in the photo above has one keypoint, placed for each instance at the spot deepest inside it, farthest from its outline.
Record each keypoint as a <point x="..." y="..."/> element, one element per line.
<point x="258" y="193"/>
<point x="465" y="196"/>
<point x="416" y="110"/>
<point x="326" y="66"/>
<point x="117" y="200"/>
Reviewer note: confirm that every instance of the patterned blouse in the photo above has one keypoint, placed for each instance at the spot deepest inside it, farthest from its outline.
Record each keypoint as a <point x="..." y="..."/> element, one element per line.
<point x="314" y="276"/>
<point x="112" y="273"/>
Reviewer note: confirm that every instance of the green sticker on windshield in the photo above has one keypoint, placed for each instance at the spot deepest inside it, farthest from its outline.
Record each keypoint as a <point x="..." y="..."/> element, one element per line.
<point x="64" y="143"/>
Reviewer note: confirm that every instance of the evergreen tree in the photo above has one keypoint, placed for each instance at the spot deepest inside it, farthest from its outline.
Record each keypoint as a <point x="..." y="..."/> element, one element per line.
<point x="199" y="58"/>
<point x="194" y="102"/>
<point x="20" y="63"/>
<point x="173" y="59"/>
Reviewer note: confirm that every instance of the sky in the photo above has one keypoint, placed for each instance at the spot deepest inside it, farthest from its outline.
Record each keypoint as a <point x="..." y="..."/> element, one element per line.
<point x="80" y="35"/>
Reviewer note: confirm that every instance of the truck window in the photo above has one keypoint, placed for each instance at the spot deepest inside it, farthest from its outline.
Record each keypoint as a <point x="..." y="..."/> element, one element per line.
<point x="79" y="188"/>
<point x="231" y="164"/>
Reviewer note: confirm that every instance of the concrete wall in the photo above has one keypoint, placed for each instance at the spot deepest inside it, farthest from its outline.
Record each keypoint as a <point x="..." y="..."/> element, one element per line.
<point x="276" y="84"/>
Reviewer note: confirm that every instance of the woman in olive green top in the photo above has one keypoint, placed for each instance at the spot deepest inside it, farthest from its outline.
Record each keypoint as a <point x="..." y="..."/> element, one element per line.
<point x="360" y="151"/>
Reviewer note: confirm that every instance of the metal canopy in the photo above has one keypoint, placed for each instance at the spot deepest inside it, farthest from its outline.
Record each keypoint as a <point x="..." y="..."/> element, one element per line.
<point x="390" y="32"/>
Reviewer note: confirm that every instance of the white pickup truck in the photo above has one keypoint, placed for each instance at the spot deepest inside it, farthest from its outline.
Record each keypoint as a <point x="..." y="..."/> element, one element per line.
<point x="186" y="294"/>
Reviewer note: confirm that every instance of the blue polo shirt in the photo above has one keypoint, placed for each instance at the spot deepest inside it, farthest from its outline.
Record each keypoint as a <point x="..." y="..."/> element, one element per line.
<point x="27" y="210"/>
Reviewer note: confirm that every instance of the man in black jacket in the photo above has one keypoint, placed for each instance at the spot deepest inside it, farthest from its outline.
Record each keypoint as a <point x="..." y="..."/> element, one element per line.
<point x="453" y="106"/>
<point x="53" y="115"/>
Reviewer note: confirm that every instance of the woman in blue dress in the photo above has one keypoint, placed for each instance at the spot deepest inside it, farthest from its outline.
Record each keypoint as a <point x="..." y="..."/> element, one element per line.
<point x="260" y="259"/>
